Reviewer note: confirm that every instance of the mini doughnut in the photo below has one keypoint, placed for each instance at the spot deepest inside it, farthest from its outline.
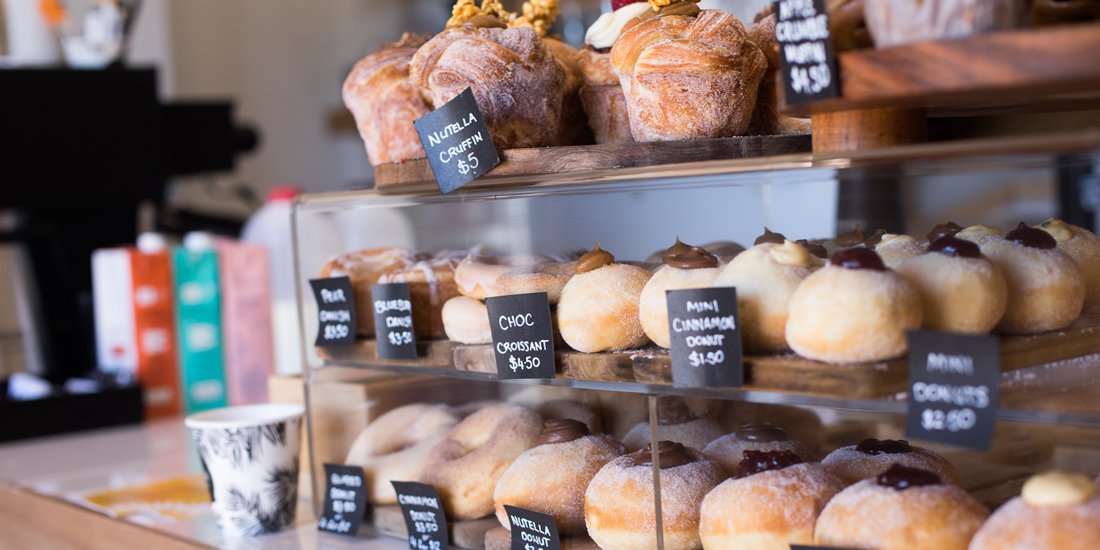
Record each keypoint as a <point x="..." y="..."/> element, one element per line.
<point x="900" y="509"/>
<point x="871" y="457"/>
<point x="476" y="276"/>
<point x="598" y="310"/>
<point x="948" y="229"/>
<point x="1057" y="511"/>
<point x="725" y="250"/>
<point x="619" y="505"/>
<point x="395" y="447"/>
<point x="568" y="409"/>
<point x="961" y="290"/>
<point x="676" y="422"/>
<point x="728" y="451"/>
<point x="1084" y="247"/>
<point x="1046" y="290"/>
<point x="980" y="234"/>
<point x="548" y="277"/>
<point x="895" y="249"/>
<point x="466" y="321"/>
<point x="853" y="310"/>
<point x="772" y="501"/>
<point x="685" y="267"/>
<point x="766" y="276"/>
<point x="552" y="476"/>
<point x="803" y="425"/>
<point x="465" y="466"/>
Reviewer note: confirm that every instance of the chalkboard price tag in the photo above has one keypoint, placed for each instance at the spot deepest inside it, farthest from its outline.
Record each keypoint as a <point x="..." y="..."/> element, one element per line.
<point x="706" y="338"/>
<point x="424" y="517"/>
<point x="335" y="312"/>
<point x="457" y="142"/>
<point x="393" y="321"/>
<point x="807" y="59"/>
<point x="523" y="336"/>
<point x="345" y="500"/>
<point x="954" y="385"/>
<point x="532" y="530"/>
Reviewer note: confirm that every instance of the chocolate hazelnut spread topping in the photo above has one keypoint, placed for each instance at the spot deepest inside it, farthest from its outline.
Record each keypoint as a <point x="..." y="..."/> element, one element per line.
<point x="943" y="230"/>
<point x="874" y="446"/>
<point x="770" y="236"/>
<point x="761" y="432"/>
<point x="851" y="238"/>
<point x="814" y="248"/>
<point x="593" y="260"/>
<point x="901" y="478"/>
<point x="858" y="258"/>
<point x="1031" y="237"/>
<point x="561" y="431"/>
<point x="670" y="454"/>
<point x="688" y="8"/>
<point x="874" y="239"/>
<point x="685" y="256"/>
<point x="755" y="462"/>
<point x="673" y="411"/>
<point x="953" y="246"/>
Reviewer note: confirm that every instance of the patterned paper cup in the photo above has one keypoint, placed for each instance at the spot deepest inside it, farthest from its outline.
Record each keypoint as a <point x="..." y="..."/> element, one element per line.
<point x="250" y="454"/>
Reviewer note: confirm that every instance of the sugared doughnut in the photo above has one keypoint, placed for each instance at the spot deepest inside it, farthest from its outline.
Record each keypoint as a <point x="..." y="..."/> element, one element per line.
<point x="895" y="249"/>
<point x="675" y="422"/>
<point x="948" y="229"/>
<point x="961" y="290"/>
<point x="1057" y="511"/>
<point x="803" y="425"/>
<point x="853" y="310"/>
<point x="728" y="451"/>
<point x="772" y="501"/>
<point x="685" y="267"/>
<point x="466" y="321"/>
<point x="598" y="309"/>
<point x="766" y="277"/>
<point x="395" y="447"/>
<point x="1046" y="290"/>
<point x="1084" y="247"/>
<point x="873" y="456"/>
<point x="900" y="509"/>
<point x="980" y="234"/>
<point x="568" y="409"/>
<point x="548" y="277"/>
<point x="476" y="276"/>
<point x="725" y="250"/>
<point x="465" y="466"/>
<point x="619" y="505"/>
<point x="552" y="476"/>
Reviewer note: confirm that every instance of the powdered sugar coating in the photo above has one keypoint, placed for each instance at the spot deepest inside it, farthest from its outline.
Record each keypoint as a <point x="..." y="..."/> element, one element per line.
<point x="967" y="295"/>
<point x="598" y="310"/>
<point x="852" y="465"/>
<point x="728" y="450"/>
<point x="1020" y="526"/>
<point x="896" y="252"/>
<point x="1046" y="290"/>
<point x="697" y="434"/>
<point x="653" y="304"/>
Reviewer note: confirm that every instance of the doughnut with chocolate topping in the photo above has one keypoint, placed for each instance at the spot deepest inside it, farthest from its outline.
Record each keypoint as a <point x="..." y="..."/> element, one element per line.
<point x="686" y="267"/>
<point x="961" y="290"/>
<point x="942" y="230"/>
<point x="872" y="456"/>
<point x="675" y="422"/>
<point x="598" y="309"/>
<point x="730" y="449"/>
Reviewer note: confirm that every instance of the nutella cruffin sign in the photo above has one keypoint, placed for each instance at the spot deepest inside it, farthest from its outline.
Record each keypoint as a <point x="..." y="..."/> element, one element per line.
<point x="457" y="142"/>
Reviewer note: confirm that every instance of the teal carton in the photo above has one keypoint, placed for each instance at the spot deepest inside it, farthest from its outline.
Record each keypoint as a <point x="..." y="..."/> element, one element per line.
<point x="198" y="318"/>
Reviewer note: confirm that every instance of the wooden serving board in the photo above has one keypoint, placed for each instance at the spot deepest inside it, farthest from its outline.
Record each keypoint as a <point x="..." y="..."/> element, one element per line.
<point x="414" y="176"/>
<point x="432" y="354"/>
<point x="463" y="534"/>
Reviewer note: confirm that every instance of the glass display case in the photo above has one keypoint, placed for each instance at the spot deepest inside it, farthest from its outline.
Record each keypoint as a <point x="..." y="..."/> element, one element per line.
<point x="397" y="416"/>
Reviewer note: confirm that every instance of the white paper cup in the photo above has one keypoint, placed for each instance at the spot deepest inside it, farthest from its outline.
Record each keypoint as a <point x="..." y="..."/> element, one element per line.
<point x="250" y="454"/>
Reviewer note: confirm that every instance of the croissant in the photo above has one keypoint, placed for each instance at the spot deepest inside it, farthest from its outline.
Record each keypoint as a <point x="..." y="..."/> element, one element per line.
<point x="385" y="103"/>
<point x="688" y="77"/>
<point x="518" y="84"/>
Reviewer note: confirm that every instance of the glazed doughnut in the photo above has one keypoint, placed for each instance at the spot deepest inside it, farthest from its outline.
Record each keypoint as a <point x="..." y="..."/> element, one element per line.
<point x="1084" y="247"/>
<point x="853" y="310"/>
<point x="961" y="290"/>
<point x="619" y="507"/>
<point x="1046" y="290"/>
<point x="871" y="457"/>
<point x="396" y="445"/>
<point x="895" y="249"/>
<point x="476" y="276"/>
<point x="465" y="466"/>
<point x="676" y="422"/>
<point x="772" y="501"/>
<point x="980" y="234"/>
<point x="728" y="451"/>
<point x="466" y="321"/>
<point x="1057" y="511"/>
<point x="900" y="509"/>
<point x="598" y="310"/>
<point x="548" y="277"/>
<point x="553" y="474"/>
<point x="766" y="276"/>
<point x="685" y="267"/>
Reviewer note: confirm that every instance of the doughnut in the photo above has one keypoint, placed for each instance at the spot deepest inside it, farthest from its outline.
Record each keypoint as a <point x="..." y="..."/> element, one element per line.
<point x="598" y="310"/>
<point x="364" y="268"/>
<point x="728" y="451"/>
<point x="1046" y="290"/>
<point x="725" y="250"/>
<point x="1057" y="511"/>
<point x="548" y="277"/>
<point x="895" y="249"/>
<point x="619" y="506"/>
<point x="961" y="290"/>
<point x="568" y="409"/>
<point x="873" y="456"/>
<point x="853" y="310"/>
<point x="431" y="283"/>
<point x="766" y="276"/>
<point x="476" y="275"/>
<point x="685" y="267"/>
<point x="948" y="229"/>
<point x="802" y="424"/>
<point x="676" y="422"/>
<point x="552" y="475"/>
<point x="466" y="321"/>
<point x="396" y="445"/>
<point x="901" y="508"/>
<point x="622" y="411"/>
<point x="1084" y="247"/>
<point x="980" y="234"/>
<point x="772" y="501"/>
<point x="465" y="466"/>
